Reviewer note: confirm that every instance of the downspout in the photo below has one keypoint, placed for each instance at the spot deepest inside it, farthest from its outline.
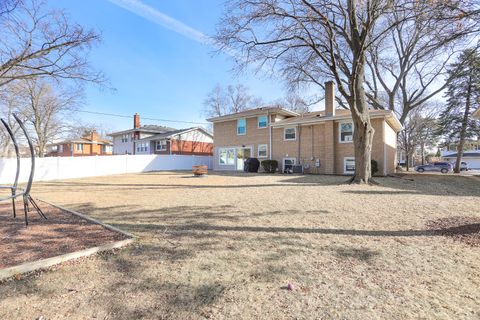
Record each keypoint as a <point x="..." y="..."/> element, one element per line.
<point x="299" y="127"/>
<point x="384" y="147"/>
<point x="269" y="137"/>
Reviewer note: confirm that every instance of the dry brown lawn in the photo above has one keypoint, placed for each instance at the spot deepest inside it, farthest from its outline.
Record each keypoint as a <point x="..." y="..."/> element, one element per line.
<point x="226" y="246"/>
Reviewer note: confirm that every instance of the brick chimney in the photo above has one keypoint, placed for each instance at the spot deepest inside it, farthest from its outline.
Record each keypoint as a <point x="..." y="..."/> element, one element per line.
<point x="94" y="135"/>
<point x="330" y="99"/>
<point x="136" y="121"/>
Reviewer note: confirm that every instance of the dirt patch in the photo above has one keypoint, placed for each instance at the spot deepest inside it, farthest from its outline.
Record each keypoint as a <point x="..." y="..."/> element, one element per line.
<point x="61" y="233"/>
<point x="227" y="245"/>
<point x="464" y="229"/>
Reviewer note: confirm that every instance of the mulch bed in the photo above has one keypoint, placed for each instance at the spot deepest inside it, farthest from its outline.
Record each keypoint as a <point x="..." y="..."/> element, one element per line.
<point x="61" y="233"/>
<point x="464" y="229"/>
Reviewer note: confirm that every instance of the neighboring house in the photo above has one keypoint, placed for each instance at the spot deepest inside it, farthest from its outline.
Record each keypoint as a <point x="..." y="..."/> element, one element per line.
<point x="471" y="153"/>
<point x="152" y="139"/>
<point x="320" y="142"/>
<point x="90" y="144"/>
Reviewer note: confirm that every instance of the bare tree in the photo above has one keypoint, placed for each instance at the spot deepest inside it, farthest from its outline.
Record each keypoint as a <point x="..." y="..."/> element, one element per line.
<point x="11" y="101"/>
<point x="40" y="42"/>
<point x="314" y="40"/>
<point x="419" y="133"/>
<point x="407" y="68"/>
<point x="221" y="101"/>
<point x="215" y="104"/>
<point x="47" y="109"/>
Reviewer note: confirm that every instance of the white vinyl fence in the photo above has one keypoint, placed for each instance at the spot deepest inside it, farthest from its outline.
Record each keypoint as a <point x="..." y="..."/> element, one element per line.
<point x="79" y="167"/>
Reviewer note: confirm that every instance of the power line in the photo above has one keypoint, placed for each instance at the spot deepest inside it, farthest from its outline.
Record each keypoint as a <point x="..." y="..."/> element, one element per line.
<point x="129" y="117"/>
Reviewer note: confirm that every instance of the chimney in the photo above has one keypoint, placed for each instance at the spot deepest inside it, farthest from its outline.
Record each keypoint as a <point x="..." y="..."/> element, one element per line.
<point x="94" y="135"/>
<point x="330" y="99"/>
<point x="136" y="121"/>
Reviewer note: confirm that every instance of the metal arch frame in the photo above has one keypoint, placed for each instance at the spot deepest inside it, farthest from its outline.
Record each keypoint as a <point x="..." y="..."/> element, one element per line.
<point x="27" y="199"/>
<point x="17" y="174"/>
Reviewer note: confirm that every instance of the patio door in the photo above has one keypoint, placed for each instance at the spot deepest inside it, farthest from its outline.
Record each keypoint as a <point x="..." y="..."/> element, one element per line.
<point x="242" y="155"/>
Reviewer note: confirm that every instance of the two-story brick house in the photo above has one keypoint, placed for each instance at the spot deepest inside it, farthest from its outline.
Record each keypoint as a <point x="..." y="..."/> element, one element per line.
<point x="321" y="142"/>
<point x="153" y="139"/>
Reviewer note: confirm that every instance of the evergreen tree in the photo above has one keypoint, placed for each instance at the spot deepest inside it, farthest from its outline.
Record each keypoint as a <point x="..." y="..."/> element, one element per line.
<point x="456" y="121"/>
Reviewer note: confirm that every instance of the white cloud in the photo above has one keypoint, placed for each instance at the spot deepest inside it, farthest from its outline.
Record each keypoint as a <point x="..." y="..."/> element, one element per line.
<point x="143" y="10"/>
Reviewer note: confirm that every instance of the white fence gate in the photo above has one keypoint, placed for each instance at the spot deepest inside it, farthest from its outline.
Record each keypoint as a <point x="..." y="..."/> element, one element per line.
<point x="79" y="167"/>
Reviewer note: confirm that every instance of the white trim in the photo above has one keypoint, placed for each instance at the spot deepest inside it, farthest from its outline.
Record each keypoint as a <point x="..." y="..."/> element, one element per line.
<point x="158" y="143"/>
<point x="226" y="159"/>
<point x="258" y="122"/>
<point x="345" y="165"/>
<point x="284" y="129"/>
<point x="242" y="134"/>
<point x="340" y="132"/>
<point x="288" y="158"/>
<point x="384" y="148"/>
<point x="266" y="150"/>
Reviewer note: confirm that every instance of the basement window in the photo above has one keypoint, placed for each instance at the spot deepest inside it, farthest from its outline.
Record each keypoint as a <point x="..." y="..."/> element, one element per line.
<point x="349" y="165"/>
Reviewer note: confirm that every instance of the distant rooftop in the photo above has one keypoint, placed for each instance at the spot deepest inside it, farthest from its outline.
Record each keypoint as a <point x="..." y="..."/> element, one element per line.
<point x="254" y="112"/>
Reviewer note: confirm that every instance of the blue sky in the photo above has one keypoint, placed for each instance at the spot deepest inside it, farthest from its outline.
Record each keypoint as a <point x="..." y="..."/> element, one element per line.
<point x="156" y="71"/>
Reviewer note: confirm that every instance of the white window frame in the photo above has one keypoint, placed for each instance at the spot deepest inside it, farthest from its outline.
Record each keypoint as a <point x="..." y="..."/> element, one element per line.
<point x="162" y="143"/>
<point x="60" y="148"/>
<point x="345" y="165"/>
<point x="340" y="132"/>
<point x="79" y="147"/>
<point x="266" y="150"/>
<point x="238" y="121"/>
<point x="266" y="122"/>
<point x="291" y="159"/>
<point x="226" y="156"/>
<point x="285" y="131"/>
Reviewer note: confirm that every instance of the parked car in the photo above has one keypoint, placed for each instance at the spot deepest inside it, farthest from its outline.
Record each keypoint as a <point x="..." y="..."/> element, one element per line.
<point x="442" y="167"/>
<point x="463" y="166"/>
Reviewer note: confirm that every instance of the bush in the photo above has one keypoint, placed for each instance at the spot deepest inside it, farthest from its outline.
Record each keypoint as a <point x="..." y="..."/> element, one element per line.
<point x="374" y="166"/>
<point x="270" y="166"/>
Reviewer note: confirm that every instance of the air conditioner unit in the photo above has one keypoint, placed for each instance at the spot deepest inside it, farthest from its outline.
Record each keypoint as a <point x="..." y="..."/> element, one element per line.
<point x="297" y="168"/>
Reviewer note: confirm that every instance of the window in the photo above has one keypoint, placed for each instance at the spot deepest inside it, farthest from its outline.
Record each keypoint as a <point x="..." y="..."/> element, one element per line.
<point x="346" y="132"/>
<point x="241" y="126"/>
<point x="80" y="147"/>
<point x="161" y="145"/>
<point x="142" y="147"/>
<point x="60" y="148"/>
<point x="124" y="137"/>
<point x="132" y="136"/>
<point x="262" y="150"/>
<point x="262" y="122"/>
<point x="288" y="164"/>
<point x="349" y="165"/>
<point x="106" y="149"/>
<point x="290" y="133"/>
<point x="54" y="148"/>
<point x="226" y="157"/>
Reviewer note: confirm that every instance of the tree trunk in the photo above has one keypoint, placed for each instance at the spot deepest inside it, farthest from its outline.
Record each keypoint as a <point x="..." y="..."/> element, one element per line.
<point x="363" y="140"/>
<point x="363" y="130"/>
<point x="463" y="131"/>
<point x="422" y="147"/>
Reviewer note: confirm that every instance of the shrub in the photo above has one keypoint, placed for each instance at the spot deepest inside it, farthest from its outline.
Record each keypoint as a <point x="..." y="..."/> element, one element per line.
<point x="374" y="166"/>
<point x="270" y="166"/>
